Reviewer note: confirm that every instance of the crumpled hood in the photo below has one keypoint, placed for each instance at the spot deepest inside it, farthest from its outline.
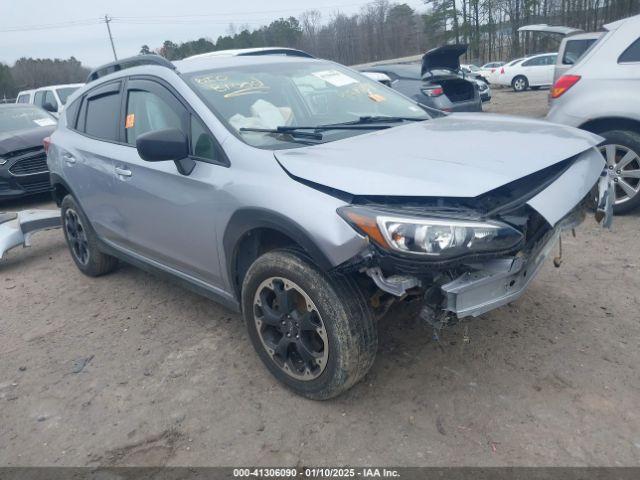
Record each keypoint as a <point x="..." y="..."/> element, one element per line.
<point x="461" y="155"/>
<point x="23" y="139"/>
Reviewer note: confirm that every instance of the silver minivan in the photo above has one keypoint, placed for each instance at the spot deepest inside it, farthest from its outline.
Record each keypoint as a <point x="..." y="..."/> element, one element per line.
<point x="311" y="199"/>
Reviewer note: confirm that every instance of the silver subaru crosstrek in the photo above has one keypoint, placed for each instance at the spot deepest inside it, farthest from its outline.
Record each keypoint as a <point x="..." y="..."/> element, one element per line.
<point x="311" y="199"/>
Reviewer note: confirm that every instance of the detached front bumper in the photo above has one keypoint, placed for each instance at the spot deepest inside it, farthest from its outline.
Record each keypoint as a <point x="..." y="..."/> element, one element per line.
<point x="17" y="228"/>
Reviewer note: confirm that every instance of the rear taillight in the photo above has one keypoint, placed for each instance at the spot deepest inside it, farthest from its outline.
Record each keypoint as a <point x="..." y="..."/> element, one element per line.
<point x="563" y="84"/>
<point x="47" y="143"/>
<point x="433" y="92"/>
<point x="502" y="70"/>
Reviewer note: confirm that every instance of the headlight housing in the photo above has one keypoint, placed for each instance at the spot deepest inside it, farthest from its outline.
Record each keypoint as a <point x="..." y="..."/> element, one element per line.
<point x="433" y="237"/>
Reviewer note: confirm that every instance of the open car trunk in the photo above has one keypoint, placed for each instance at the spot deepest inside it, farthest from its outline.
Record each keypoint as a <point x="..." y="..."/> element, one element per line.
<point x="457" y="89"/>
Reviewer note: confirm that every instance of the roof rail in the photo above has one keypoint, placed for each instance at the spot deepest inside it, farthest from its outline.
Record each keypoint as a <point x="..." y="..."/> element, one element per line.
<point x="150" y="59"/>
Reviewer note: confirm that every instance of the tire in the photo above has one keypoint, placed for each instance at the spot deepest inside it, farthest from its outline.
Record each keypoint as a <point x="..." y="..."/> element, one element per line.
<point x="623" y="146"/>
<point x="82" y="241"/>
<point x="339" y="324"/>
<point x="520" y="83"/>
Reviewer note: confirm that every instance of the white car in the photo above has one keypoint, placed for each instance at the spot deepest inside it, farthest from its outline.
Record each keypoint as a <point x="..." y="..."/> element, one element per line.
<point x="531" y="72"/>
<point x="51" y="98"/>
<point x="489" y="70"/>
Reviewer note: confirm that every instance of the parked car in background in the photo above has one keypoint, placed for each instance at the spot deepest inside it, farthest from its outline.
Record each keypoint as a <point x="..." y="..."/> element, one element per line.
<point x="379" y="77"/>
<point x="311" y="198"/>
<point x="51" y="98"/>
<point x="572" y="48"/>
<point x="601" y="94"/>
<point x="574" y="44"/>
<point x="23" y="161"/>
<point x="488" y="70"/>
<point x="437" y="82"/>
<point x="532" y="72"/>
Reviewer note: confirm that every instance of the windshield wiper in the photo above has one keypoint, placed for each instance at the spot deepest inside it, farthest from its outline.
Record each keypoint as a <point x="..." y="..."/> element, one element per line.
<point x="371" y="119"/>
<point x="299" y="130"/>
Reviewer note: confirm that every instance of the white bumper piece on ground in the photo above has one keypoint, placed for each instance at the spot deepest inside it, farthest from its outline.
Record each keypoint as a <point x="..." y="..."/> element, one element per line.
<point x="17" y="228"/>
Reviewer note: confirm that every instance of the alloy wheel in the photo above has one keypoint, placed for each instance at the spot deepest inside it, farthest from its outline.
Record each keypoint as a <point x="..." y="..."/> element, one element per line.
<point x="623" y="165"/>
<point x="290" y="328"/>
<point x="77" y="236"/>
<point x="519" y="84"/>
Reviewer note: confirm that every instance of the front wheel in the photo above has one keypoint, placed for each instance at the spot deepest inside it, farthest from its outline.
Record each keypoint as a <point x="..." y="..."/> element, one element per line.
<point x="313" y="331"/>
<point x="520" y="83"/>
<point x="82" y="241"/>
<point x="621" y="150"/>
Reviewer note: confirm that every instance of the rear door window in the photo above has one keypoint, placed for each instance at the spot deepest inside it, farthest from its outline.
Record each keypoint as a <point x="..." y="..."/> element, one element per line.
<point x="631" y="54"/>
<point x="23" y="98"/>
<point x="101" y="113"/>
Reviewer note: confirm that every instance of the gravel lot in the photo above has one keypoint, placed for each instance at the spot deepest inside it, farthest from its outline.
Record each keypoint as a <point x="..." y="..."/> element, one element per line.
<point x="132" y="370"/>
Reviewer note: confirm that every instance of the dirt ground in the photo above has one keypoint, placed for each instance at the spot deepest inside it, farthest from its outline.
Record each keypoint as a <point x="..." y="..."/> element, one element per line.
<point x="132" y="370"/>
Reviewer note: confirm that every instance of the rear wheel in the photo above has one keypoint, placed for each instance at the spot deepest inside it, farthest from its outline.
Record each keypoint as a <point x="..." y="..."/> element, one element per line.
<point x="82" y="241"/>
<point x="621" y="150"/>
<point x="314" y="332"/>
<point x="520" y="83"/>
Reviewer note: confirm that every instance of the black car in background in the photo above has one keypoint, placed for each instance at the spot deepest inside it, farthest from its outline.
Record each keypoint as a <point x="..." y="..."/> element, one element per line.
<point x="23" y="160"/>
<point x="437" y="82"/>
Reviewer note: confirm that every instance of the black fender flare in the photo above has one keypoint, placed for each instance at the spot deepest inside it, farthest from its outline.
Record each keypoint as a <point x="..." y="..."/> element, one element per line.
<point x="56" y="179"/>
<point x="248" y="219"/>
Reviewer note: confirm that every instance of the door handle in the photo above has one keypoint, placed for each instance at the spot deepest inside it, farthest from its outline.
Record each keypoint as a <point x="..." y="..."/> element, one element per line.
<point x="70" y="159"/>
<point x="123" y="172"/>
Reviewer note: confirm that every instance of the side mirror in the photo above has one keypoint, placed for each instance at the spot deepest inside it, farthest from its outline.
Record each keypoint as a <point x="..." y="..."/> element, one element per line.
<point x="169" y="144"/>
<point x="163" y="145"/>
<point x="49" y="107"/>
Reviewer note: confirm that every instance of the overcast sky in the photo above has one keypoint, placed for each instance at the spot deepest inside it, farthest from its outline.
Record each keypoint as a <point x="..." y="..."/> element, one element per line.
<point x="176" y="20"/>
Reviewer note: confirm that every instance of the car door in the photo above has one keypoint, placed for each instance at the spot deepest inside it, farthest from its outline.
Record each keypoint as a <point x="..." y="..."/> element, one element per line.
<point x="87" y="162"/>
<point x="163" y="215"/>
<point x="533" y="69"/>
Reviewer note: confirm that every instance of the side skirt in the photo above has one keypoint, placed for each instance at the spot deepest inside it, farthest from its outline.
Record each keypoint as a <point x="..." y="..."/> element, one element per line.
<point x="168" y="273"/>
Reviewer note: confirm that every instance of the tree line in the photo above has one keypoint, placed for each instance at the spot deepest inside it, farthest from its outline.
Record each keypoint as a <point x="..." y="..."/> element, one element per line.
<point x="28" y="73"/>
<point x="384" y="30"/>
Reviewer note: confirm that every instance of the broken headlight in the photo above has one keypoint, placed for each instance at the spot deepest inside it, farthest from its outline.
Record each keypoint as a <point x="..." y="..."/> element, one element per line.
<point x="441" y="238"/>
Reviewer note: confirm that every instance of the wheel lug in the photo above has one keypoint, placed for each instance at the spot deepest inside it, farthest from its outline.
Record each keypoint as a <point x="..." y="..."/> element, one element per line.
<point x="610" y="167"/>
<point x="615" y="180"/>
<point x="297" y="336"/>
<point x="618" y="172"/>
<point x="288" y="335"/>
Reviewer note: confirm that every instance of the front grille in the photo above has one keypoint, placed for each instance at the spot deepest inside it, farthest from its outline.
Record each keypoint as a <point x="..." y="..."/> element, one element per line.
<point x="36" y="187"/>
<point x="30" y="164"/>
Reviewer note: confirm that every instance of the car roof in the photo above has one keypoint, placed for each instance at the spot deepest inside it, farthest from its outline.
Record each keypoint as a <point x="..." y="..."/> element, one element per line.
<point x="615" y="25"/>
<point x="64" y="85"/>
<point x="584" y="36"/>
<point x="284" y="51"/>
<point x="198" y="63"/>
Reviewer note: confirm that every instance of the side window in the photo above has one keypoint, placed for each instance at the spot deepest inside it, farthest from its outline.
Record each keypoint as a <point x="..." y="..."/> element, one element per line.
<point x="101" y="116"/>
<point x="70" y="113"/>
<point x="147" y="111"/>
<point x="39" y="98"/>
<point x="202" y="143"/>
<point x="631" y="54"/>
<point x="534" y="62"/>
<point x="49" y="97"/>
<point x="23" y="98"/>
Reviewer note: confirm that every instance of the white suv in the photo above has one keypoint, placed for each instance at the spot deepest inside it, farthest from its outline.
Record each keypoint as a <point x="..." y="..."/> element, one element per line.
<point x="51" y="98"/>
<point x="601" y="94"/>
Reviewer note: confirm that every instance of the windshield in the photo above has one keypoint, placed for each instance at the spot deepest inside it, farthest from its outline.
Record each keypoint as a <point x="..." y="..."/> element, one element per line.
<point x="64" y="93"/>
<point x="267" y="96"/>
<point x="22" y="118"/>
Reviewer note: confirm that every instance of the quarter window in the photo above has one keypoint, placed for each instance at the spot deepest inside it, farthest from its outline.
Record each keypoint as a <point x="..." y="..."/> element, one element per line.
<point x="202" y="143"/>
<point x="23" y="99"/>
<point x="631" y="54"/>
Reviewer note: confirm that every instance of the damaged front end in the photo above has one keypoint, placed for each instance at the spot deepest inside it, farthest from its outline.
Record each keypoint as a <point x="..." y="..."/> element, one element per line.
<point x="464" y="257"/>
